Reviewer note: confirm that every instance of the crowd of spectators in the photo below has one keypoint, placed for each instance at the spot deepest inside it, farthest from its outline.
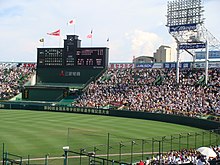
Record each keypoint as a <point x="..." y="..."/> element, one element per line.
<point x="12" y="78"/>
<point x="184" y="156"/>
<point x="148" y="90"/>
<point x="156" y="90"/>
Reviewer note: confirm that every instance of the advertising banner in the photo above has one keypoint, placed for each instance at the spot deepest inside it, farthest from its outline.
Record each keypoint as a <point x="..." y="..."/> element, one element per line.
<point x="121" y="65"/>
<point x="212" y="55"/>
<point x="187" y="27"/>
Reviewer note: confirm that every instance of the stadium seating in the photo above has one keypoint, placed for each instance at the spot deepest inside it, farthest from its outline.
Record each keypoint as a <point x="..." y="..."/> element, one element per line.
<point x="12" y="78"/>
<point x="155" y="90"/>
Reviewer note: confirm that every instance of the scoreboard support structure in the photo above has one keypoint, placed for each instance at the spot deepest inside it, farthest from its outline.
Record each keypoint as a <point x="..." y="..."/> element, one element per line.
<point x="66" y="67"/>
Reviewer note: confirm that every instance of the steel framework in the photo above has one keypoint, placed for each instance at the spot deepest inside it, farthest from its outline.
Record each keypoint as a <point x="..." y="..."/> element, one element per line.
<point x="186" y="25"/>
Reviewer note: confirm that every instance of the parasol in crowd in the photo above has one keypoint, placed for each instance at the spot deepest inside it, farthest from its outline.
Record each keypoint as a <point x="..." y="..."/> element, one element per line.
<point x="208" y="152"/>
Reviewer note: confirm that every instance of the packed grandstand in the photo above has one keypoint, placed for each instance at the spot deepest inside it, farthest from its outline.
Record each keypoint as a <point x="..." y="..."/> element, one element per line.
<point x="135" y="89"/>
<point x="139" y="89"/>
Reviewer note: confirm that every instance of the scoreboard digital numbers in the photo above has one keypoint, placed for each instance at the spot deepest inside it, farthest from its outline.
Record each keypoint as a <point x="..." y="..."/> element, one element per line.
<point x="91" y="57"/>
<point x="50" y="57"/>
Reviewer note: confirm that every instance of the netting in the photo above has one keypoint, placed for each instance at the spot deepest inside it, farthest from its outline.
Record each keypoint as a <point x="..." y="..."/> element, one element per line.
<point x="122" y="149"/>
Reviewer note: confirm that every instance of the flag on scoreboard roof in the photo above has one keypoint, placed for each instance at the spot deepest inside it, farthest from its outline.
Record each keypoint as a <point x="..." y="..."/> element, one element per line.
<point x="71" y="22"/>
<point x="41" y="40"/>
<point x="55" y="33"/>
<point x="89" y="35"/>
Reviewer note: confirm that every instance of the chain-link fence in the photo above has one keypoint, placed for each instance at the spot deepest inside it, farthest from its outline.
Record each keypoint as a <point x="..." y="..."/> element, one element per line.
<point x="114" y="149"/>
<point x="127" y="150"/>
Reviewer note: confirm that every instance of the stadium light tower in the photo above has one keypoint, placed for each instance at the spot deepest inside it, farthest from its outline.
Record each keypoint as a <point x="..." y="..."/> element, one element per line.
<point x="185" y="19"/>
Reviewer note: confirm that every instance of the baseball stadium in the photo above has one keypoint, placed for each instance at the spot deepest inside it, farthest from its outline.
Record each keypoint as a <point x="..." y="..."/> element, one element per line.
<point x="74" y="107"/>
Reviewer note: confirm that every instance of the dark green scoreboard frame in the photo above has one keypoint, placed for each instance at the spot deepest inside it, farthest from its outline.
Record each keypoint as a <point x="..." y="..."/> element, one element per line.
<point x="71" y="64"/>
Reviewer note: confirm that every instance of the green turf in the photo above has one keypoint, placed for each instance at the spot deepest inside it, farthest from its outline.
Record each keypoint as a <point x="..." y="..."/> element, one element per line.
<point x="39" y="133"/>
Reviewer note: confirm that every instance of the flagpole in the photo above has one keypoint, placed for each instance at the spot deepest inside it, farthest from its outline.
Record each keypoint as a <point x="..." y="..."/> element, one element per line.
<point x="60" y="41"/>
<point x="108" y="42"/>
<point x="91" y="36"/>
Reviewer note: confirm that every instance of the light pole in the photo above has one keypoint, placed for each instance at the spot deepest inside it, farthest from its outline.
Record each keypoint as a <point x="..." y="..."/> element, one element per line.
<point x="66" y="149"/>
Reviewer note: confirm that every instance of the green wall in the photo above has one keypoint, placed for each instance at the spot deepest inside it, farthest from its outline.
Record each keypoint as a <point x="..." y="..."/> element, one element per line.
<point x="193" y="122"/>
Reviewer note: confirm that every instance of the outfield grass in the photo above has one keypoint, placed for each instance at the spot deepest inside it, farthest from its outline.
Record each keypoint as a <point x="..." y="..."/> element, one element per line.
<point x="39" y="133"/>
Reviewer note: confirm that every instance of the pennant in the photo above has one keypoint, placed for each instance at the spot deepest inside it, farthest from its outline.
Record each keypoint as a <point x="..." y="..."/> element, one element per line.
<point x="56" y="33"/>
<point x="41" y="40"/>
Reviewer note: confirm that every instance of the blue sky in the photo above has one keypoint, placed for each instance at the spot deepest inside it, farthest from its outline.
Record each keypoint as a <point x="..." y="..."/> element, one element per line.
<point x="134" y="27"/>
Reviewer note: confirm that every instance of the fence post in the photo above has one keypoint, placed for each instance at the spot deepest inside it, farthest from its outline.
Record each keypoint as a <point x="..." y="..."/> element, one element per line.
<point x="21" y="160"/>
<point x="132" y="146"/>
<point x="162" y="140"/>
<point x="28" y="161"/>
<point x="120" y="148"/>
<point x="143" y="142"/>
<point x="82" y="150"/>
<point x="203" y="134"/>
<point x="6" y="158"/>
<point x="180" y="136"/>
<point x="171" y="142"/>
<point x="108" y="143"/>
<point x="46" y="159"/>
<point x="152" y="146"/>
<point x="3" y="153"/>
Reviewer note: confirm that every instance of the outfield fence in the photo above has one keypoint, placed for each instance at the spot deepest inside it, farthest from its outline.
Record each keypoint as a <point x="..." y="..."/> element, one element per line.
<point x="127" y="150"/>
<point x="198" y="122"/>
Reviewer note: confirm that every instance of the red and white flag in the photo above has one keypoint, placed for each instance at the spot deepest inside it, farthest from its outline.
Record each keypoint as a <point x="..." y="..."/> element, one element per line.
<point x="89" y="35"/>
<point x="56" y="33"/>
<point x="71" y="22"/>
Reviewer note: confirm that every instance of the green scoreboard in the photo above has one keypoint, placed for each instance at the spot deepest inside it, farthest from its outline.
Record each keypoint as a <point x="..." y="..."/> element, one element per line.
<point x="72" y="64"/>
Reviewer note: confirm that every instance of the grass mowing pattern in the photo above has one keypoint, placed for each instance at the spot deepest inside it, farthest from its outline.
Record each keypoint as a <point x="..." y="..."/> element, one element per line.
<point x="39" y="133"/>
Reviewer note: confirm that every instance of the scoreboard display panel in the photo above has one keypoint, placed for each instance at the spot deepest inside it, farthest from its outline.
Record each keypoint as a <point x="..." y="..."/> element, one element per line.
<point x="50" y="57"/>
<point x="70" y="64"/>
<point x="91" y="57"/>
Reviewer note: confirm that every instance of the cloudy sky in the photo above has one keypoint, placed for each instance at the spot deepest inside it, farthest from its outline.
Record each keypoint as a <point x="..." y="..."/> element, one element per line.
<point x="134" y="27"/>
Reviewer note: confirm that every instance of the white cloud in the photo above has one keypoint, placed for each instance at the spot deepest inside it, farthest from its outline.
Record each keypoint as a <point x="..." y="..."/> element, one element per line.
<point x="144" y="43"/>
